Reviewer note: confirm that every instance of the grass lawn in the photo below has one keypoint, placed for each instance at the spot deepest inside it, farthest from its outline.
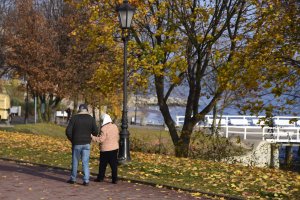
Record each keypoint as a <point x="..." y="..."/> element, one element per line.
<point x="39" y="128"/>
<point x="59" y="131"/>
<point x="221" y="178"/>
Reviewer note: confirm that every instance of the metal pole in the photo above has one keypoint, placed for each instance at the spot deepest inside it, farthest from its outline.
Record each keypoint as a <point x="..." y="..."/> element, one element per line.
<point x="35" y="109"/>
<point x="124" y="154"/>
<point x="26" y="105"/>
<point x="135" y="111"/>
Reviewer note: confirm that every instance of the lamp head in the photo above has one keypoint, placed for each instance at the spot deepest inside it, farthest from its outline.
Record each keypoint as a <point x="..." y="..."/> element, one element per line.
<point x="125" y="13"/>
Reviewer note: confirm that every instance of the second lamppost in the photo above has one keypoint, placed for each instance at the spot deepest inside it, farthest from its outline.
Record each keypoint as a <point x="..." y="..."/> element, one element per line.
<point x="125" y="13"/>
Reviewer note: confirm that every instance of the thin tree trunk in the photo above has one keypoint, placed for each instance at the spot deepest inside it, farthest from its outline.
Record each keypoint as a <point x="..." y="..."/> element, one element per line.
<point x="159" y="84"/>
<point x="39" y="114"/>
<point x="213" y="126"/>
<point x="43" y="108"/>
<point x="75" y="104"/>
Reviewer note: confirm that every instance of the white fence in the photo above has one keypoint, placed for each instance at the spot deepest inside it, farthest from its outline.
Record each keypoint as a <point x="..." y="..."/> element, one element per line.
<point x="282" y="134"/>
<point x="284" y="129"/>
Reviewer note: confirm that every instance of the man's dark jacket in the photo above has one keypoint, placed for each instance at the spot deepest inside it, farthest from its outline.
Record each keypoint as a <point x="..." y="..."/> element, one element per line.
<point x="80" y="128"/>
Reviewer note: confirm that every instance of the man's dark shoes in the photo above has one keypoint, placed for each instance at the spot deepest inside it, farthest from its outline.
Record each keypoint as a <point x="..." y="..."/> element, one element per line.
<point x="71" y="182"/>
<point x="114" y="182"/>
<point x="85" y="184"/>
<point x="98" y="180"/>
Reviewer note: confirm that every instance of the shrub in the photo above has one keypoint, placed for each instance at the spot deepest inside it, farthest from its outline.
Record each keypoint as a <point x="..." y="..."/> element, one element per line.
<point x="211" y="147"/>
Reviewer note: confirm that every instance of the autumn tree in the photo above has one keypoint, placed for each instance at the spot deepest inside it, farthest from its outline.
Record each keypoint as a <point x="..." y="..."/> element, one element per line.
<point x="274" y="49"/>
<point x="212" y="49"/>
<point x="95" y="58"/>
<point x="31" y="50"/>
<point x="58" y="58"/>
<point x="183" y="39"/>
<point x="5" y="7"/>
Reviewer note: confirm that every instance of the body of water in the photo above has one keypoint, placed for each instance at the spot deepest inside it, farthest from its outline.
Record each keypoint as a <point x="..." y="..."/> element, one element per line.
<point x="152" y="115"/>
<point x="295" y="158"/>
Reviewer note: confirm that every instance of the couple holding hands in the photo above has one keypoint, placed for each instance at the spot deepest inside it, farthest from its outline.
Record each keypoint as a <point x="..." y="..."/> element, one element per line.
<point x="80" y="131"/>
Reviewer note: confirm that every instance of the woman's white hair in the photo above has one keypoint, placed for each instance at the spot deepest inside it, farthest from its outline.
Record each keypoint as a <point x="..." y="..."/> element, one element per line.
<point x="105" y="119"/>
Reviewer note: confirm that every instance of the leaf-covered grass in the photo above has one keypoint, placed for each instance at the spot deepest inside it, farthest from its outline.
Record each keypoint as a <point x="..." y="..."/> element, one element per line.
<point x="145" y="139"/>
<point x="39" y="128"/>
<point x="246" y="182"/>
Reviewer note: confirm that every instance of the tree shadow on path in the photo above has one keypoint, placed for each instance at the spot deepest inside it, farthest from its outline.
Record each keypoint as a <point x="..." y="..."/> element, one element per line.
<point x="41" y="172"/>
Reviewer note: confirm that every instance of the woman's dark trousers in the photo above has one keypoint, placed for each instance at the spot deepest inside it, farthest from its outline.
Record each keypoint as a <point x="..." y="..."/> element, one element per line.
<point x="111" y="158"/>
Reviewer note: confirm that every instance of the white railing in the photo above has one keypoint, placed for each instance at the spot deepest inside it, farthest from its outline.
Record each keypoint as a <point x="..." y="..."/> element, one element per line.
<point x="243" y="120"/>
<point x="284" y="130"/>
<point x="281" y="134"/>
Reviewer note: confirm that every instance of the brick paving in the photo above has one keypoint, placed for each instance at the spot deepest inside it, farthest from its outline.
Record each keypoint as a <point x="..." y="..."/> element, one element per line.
<point x="28" y="182"/>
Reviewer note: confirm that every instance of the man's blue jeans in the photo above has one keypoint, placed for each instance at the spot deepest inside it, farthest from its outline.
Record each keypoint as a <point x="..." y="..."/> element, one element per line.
<point x="82" y="151"/>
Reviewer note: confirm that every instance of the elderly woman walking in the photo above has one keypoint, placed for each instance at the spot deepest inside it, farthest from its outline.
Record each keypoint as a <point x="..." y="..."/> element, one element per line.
<point x="109" y="146"/>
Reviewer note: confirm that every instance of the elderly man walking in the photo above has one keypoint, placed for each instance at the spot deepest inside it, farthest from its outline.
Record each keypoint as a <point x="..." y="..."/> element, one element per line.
<point x="79" y="131"/>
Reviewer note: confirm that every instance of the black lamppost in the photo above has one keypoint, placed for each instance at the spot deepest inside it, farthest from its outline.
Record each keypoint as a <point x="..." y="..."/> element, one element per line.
<point x="125" y="13"/>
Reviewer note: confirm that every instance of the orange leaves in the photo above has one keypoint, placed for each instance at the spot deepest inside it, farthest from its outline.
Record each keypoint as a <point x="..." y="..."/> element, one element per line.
<point x="31" y="44"/>
<point x="96" y="30"/>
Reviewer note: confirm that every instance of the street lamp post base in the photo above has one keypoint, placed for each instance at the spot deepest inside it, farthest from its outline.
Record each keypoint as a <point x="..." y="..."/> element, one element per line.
<point x="123" y="161"/>
<point x="124" y="153"/>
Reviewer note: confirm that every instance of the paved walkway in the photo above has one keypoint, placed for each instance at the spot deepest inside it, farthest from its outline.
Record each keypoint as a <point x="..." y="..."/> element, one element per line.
<point x="26" y="182"/>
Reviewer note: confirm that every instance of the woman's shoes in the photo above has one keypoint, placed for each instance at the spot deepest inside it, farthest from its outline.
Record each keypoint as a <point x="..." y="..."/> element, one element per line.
<point x="101" y="180"/>
<point x="98" y="180"/>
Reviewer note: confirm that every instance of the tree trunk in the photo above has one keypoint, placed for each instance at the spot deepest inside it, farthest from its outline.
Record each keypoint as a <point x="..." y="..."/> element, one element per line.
<point x="183" y="146"/>
<point x="272" y="158"/>
<point x="43" y="108"/>
<point x="39" y="110"/>
<point x="213" y="125"/>
<point x="75" y="104"/>
<point x="288" y="156"/>
<point x="47" y="112"/>
<point x="53" y="102"/>
<point x="94" y="112"/>
<point x="164" y="109"/>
